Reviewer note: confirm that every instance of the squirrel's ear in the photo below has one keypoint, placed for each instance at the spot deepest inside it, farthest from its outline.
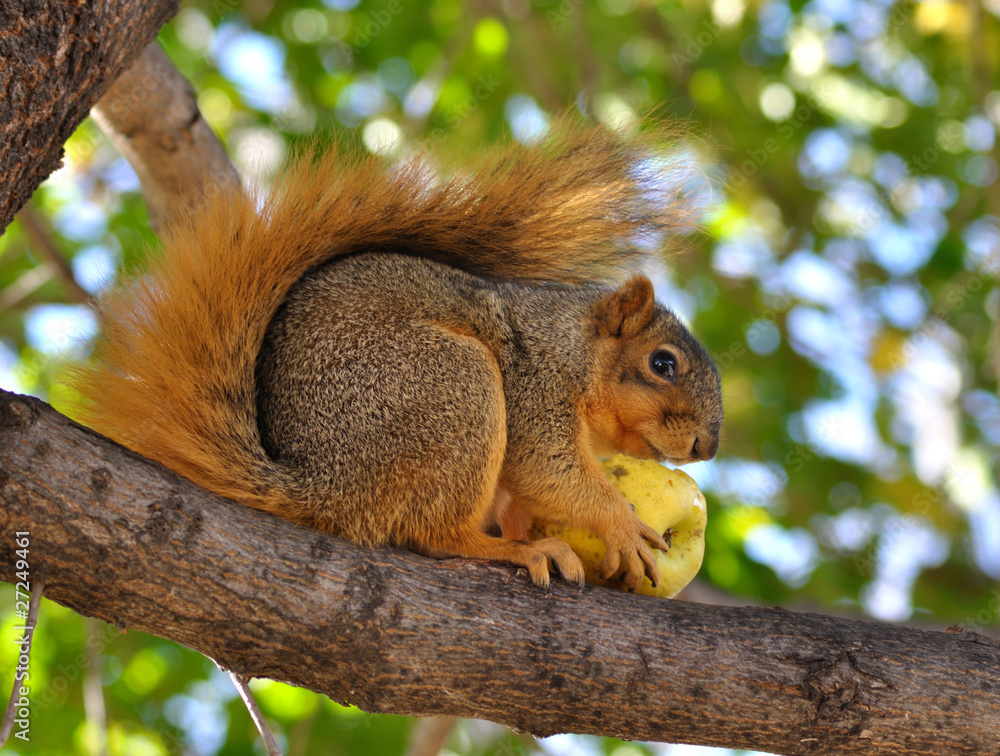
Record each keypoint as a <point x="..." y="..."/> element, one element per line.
<point x="627" y="310"/>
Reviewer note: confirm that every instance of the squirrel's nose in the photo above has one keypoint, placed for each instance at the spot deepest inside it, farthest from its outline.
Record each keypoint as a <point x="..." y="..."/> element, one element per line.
<point x="705" y="445"/>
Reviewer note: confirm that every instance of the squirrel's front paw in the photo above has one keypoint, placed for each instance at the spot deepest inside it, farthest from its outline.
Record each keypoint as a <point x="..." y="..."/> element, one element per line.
<point x="628" y="550"/>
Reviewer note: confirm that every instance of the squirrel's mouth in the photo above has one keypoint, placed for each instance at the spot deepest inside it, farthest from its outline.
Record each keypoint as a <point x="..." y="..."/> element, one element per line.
<point x="656" y="452"/>
<point x="661" y="456"/>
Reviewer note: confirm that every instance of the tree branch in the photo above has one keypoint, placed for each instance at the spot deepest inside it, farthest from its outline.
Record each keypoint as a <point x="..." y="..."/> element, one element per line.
<point x="242" y="685"/>
<point x="28" y="633"/>
<point x="40" y="240"/>
<point x="121" y="538"/>
<point x="430" y="736"/>
<point x="58" y="59"/>
<point x="151" y="114"/>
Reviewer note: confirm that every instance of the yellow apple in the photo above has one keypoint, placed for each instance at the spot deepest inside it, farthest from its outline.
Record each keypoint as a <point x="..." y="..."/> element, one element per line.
<point x="667" y="500"/>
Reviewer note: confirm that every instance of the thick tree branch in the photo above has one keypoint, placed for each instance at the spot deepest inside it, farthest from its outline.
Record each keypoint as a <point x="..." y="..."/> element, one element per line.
<point x="121" y="538"/>
<point x="152" y="116"/>
<point x="58" y="59"/>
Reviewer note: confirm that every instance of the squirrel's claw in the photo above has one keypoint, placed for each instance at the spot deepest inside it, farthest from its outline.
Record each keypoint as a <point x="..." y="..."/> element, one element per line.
<point x="638" y="557"/>
<point x="655" y="538"/>
<point x="563" y="557"/>
<point x="610" y="564"/>
<point x="652" y="570"/>
<point x="539" y="571"/>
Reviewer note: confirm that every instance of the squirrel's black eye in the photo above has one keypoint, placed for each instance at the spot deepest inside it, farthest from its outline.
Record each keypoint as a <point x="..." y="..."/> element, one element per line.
<point x="663" y="363"/>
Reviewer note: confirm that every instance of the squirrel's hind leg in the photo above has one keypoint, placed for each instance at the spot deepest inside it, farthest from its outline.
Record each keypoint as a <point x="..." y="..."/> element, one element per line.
<point x="458" y="528"/>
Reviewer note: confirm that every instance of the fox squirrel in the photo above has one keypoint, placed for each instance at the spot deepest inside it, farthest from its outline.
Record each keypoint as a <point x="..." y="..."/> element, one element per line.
<point x="400" y="358"/>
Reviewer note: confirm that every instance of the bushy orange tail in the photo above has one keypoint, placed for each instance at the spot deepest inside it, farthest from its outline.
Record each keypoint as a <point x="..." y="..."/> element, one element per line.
<point x="173" y="377"/>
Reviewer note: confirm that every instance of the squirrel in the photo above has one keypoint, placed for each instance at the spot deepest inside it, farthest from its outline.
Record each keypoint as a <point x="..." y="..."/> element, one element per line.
<point x="400" y="357"/>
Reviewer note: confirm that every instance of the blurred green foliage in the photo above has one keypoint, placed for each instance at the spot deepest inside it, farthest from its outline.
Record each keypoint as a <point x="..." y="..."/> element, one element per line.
<point x="845" y="281"/>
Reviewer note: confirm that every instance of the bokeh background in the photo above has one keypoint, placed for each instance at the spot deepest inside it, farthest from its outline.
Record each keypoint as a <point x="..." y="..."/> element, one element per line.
<point x="844" y="157"/>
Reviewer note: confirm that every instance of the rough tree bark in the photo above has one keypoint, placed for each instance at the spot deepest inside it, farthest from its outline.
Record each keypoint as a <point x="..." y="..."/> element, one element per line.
<point x="56" y="60"/>
<point x="121" y="538"/>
